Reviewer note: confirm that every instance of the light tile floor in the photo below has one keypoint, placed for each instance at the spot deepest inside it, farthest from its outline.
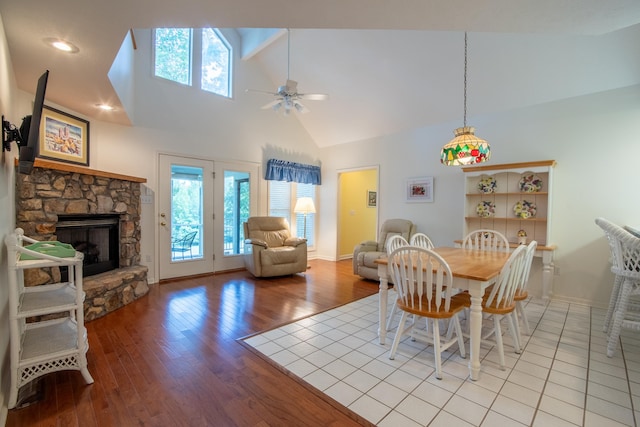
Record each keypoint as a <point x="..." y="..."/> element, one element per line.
<point x="563" y="376"/>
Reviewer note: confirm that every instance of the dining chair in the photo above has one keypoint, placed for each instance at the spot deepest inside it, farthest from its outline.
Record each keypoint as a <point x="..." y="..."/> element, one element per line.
<point x="421" y="240"/>
<point x="521" y="291"/>
<point x="393" y="243"/>
<point x="623" y="304"/>
<point x="486" y="240"/>
<point x="421" y="277"/>
<point x="500" y="304"/>
<point x="611" y="230"/>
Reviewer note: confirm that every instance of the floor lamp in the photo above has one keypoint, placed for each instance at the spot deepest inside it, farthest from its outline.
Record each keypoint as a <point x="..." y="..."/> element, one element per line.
<point x="304" y="205"/>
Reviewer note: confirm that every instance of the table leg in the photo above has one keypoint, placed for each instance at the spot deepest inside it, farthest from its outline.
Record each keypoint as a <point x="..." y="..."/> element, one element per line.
<point x="382" y="320"/>
<point x="475" y="320"/>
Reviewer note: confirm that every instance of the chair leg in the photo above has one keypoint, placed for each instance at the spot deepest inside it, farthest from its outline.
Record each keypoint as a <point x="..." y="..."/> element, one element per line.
<point x="456" y="324"/>
<point x="613" y="302"/>
<point x="497" y="332"/>
<point x="618" y="317"/>
<point x="523" y="315"/>
<point x="399" y="333"/>
<point x="514" y="328"/>
<point x="436" y="347"/>
<point x="394" y="310"/>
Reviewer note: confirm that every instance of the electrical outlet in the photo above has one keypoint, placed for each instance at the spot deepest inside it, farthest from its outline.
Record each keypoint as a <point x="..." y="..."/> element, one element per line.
<point x="146" y="199"/>
<point x="147" y="258"/>
<point x="556" y="271"/>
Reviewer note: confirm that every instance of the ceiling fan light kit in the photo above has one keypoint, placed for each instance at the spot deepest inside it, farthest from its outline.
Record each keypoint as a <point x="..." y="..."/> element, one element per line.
<point x="287" y="96"/>
<point x="465" y="148"/>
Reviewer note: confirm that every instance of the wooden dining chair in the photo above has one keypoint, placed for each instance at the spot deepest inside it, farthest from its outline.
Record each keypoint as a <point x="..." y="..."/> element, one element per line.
<point x="421" y="240"/>
<point x="421" y="277"/>
<point x="486" y="240"/>
<point x="500" y="303"/>
<point x="393" y="243"/>
<point x="521" y="292"/>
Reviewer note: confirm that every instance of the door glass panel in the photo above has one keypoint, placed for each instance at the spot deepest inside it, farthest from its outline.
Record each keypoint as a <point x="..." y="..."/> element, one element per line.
<point x="237" y="199"/>
<point x="186" y="213"/>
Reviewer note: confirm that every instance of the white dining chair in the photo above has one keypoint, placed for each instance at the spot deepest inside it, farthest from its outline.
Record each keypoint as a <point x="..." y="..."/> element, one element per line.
<point x="500" y="303"/>
<point x="421" y="277"/>
<point x="486" y="240"/>
<point x="393" y="243"/>
<point x="521" y="293"/>
<point x="421" y="240"/>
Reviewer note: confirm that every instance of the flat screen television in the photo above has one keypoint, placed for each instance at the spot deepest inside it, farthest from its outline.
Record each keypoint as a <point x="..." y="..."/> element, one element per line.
<point x="30" y="128"/>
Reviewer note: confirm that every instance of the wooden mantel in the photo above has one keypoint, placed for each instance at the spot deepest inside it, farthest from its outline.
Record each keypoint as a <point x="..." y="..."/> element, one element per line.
<point x="64" y="167"/>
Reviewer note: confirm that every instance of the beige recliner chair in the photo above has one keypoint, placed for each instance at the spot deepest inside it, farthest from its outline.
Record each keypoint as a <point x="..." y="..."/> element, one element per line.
<point x="368" y="251"/>
<point x="269" y="248"/>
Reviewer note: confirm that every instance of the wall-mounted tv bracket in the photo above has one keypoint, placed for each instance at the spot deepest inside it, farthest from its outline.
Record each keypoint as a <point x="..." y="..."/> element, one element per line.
<point x="10" y="133"/>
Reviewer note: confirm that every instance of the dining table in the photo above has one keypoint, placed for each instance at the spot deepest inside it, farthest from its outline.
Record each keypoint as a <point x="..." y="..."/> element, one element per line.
<point x="472" y="271"/>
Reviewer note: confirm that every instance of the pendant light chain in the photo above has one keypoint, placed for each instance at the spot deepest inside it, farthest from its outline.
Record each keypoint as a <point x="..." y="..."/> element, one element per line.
<point x="465" y="79"/>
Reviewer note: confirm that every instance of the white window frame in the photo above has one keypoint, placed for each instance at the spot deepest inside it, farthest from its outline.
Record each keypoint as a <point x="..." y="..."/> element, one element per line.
<point x="293" y="217"/>
<point x="195" y="61"/>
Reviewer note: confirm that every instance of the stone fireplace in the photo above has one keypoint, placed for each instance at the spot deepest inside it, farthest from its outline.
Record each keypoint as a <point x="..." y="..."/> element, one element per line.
<point x="56" y="192"/>
<point x="96" y="236"/>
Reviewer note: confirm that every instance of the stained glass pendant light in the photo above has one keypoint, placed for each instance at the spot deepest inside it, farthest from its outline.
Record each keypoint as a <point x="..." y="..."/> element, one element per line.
<point x="466" y="148"/>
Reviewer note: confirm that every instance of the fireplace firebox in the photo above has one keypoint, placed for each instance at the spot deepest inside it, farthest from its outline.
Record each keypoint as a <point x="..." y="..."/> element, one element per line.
<point x="97" y="236"/>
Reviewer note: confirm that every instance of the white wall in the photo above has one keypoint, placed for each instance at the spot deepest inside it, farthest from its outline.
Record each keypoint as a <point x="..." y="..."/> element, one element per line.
<point x="7" y="216"/>
<point x="592" y="138"/>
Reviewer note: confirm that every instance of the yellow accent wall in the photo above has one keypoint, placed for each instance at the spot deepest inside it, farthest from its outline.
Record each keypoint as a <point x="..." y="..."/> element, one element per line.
<point x="356" y="221"/>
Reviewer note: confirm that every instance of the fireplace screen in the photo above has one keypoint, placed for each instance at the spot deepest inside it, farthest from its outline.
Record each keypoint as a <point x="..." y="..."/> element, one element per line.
<point x="96" y="236"/>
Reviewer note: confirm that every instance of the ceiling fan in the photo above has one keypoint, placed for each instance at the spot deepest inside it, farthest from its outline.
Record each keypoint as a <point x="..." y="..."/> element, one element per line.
<point x="287" y="96"/>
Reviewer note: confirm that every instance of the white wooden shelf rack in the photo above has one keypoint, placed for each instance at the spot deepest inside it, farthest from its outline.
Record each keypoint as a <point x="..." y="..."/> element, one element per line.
<point x="39" y="347"/>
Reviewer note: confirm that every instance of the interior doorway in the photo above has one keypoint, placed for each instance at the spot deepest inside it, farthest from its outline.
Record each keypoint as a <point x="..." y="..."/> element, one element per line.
<point x="358" y="202"/>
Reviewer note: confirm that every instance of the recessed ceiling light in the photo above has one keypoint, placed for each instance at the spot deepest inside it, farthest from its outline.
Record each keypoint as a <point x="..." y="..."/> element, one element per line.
<point x="105" y="107"/>
<point x="62" y="45"/>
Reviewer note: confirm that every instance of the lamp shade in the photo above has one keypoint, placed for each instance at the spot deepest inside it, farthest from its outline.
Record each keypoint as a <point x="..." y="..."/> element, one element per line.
<point x="465" y="148"/>
<point x="304" y="205"/>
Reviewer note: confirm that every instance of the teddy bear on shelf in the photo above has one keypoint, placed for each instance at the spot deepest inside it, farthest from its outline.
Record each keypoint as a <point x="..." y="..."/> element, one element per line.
<point x="522" y="237"/>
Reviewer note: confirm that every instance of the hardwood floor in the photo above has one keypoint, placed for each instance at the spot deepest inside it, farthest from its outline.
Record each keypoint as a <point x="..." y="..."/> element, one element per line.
<point x="172" y="358"/>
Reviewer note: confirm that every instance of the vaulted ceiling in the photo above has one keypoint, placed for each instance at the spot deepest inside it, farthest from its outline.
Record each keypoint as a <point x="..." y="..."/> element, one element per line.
<point x="387" y="66"/>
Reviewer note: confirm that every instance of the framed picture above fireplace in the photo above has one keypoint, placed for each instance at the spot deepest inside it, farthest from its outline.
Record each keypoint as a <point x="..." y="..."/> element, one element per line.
<point x="63" y="137"/>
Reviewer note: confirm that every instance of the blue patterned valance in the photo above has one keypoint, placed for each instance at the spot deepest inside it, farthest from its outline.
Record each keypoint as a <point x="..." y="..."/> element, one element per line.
<point x="282" y="170"/>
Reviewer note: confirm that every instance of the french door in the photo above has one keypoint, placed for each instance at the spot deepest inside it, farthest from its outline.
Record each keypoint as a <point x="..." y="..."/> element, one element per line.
<point x="236" y="199"/>
<point x="200" y="219"/>
<point x="185" y="216"/>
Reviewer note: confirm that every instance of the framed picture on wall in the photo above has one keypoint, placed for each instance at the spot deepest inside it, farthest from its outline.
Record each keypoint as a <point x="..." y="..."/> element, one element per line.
<point x="419" y="190"/>
<point x="372" y="199"/>
<point x="63" y="137"/>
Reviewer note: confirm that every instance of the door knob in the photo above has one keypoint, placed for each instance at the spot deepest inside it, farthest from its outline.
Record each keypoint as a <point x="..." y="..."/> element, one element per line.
<point x="162" y="215"/>
<point x="163" y="223"/>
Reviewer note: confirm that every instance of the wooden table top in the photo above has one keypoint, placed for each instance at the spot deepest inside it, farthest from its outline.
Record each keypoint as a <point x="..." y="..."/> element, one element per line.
<point x="469" y="264"/>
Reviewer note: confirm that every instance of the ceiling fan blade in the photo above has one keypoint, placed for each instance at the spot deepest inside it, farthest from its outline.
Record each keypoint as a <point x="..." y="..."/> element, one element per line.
<point x="261" y="91"/>
<point x="271" y="104"/>
<point x="313" y="96"/>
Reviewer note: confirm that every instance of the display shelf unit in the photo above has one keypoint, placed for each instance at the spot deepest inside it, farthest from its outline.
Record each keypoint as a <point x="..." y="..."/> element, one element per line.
<point x="39" y="347"/>
<point x="512" y="197"/>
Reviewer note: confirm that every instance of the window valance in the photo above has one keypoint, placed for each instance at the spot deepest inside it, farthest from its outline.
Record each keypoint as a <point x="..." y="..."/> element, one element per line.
<point x="282" y="170"/>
